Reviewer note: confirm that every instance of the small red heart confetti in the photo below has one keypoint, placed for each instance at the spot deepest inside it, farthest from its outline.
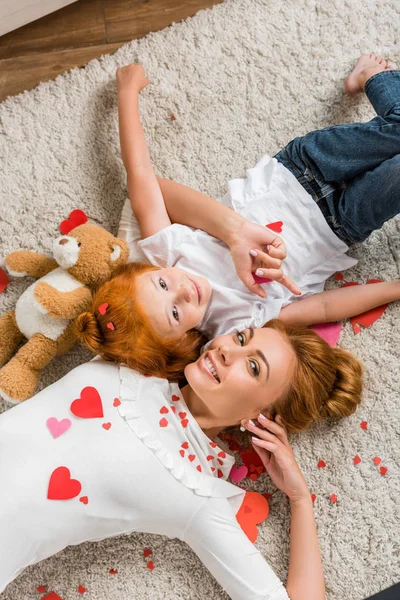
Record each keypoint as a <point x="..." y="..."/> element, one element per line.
<point x="113" y="571"/>
<point x="106" y="426"/>
<point x="117" y="402"/>
<point x="213" y="444"/>
<point x="150" y="565"/>
<point x="267" y="495"/>
<point x="377" y="460"/>
<point x="364" y="425"/>
<point x="110" y="326"/>
<point x="175" y="398"/>
<point x="185" y="445"/>
<point x="199" y="468"/>
<point x="52" y="596"/>
<point x="333" y="498"/>
<point x="368" y="318"/>
<point x="191" y="457"/>
<point x="184" y="423"/>
<point x="253" y="476"/>
<point x="76" y="217"/>
<point x="41" y="589"/>
<point x="182" y="453"/>
<point x="321" y="464"/>
<point x="383" y="470"/>
<point x="89" y="405"/>
<point x="62" y="486"/>
<point x="210" y="457"/>
<point x="103" y="308"/>
<point x="163" y="422"/>
<point x="220" y="473"/>
<point x="356" y="460"/>
<point x="339" y="276"/>
<point x="84" y="499"/>
<point x="81" y="589"/>
<point x="182" y="415"/>
<point x="4" y="281"/>
<point x="313" y="498"/>
<point x="277" y="226"/>
<point x="172" y="117"/>
<point x="147" y="552"/>
<point x="163" y="410"/>
<point x="222" y="454"/>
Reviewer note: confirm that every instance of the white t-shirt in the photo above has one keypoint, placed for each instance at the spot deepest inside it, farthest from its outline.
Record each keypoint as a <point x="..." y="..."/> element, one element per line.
<point x="270" y="193"/>
<point x="137" y="461"/>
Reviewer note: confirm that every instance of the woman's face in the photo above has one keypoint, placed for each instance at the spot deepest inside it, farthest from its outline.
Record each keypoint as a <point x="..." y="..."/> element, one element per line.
<point x="240" y="375"/>
<point x="174" y="300"/>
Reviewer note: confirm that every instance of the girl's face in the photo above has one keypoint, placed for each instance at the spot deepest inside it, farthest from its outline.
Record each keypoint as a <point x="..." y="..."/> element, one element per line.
<point x="174" y="300"/>
<point x="239" y="376"/>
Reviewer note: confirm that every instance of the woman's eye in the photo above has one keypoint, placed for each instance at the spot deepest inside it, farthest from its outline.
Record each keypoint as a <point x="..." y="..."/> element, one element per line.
<point x="241" y="338"/>
<point x="255" y="367"/>
<point x="175" y="314"/>
<point x="163" y="284"/>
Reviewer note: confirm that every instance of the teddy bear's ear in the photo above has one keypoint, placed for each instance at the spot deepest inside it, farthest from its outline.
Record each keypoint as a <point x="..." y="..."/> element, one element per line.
<point x="119" y="252"/>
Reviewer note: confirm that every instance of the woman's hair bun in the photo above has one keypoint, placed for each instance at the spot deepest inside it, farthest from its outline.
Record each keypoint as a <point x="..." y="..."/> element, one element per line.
<point x="88" y="332"/>
<point x="347" y="388"/>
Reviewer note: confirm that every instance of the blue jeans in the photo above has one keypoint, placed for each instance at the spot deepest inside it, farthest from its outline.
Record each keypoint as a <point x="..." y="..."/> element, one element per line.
<point x="353" y="170"/>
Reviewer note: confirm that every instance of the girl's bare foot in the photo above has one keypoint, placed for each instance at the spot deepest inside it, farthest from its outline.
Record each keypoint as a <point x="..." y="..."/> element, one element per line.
<point x="367" y="65"/>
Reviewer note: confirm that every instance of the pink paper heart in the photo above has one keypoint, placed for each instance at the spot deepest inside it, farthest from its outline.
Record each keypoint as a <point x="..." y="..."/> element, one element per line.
<point x="238" y="473"/>
<point x="330" y="332"/>
<point x="57" y="427"/>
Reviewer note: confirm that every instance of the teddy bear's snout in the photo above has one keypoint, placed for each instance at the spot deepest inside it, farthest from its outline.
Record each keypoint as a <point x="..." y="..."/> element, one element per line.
<point x="63" y="241"/>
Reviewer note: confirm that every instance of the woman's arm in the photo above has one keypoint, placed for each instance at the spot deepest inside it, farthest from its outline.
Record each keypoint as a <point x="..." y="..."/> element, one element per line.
<point x="345" y="302"/>
<point x="144" y="191"/>
<point x="305" y="577"/>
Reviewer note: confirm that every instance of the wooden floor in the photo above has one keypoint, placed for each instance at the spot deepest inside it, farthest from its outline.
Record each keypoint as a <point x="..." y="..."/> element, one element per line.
<point x="80" y="32"/>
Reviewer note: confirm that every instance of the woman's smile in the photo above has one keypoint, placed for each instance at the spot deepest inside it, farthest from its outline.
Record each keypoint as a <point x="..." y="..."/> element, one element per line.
<point x="209" y="367"/>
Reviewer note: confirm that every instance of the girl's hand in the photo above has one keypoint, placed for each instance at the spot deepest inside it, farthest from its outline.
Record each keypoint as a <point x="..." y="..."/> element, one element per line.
<point x="273" y="448"/>
<point x="251" y="236"/>
<point x="131" y="78"/>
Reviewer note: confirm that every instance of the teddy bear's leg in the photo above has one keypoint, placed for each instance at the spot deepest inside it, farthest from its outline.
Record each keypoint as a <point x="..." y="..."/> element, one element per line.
<point x="20" y="376"/>
<point x="10" y="336"/>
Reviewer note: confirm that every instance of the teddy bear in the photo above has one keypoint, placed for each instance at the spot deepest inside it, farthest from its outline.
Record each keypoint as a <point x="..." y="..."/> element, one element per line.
<point x="44" y="314"/>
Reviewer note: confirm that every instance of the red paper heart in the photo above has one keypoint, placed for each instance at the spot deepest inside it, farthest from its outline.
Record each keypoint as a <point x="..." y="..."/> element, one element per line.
<point x="81" y="589"/>
<point x="364" y="425"/>
<point x="52" y="596"/>
<point x="254" y="510"/>
<point x="185" y="445"/>
<point x="191" y="457"/>
<point x="313" y="498"/>
<point x="339" y="276"/>
<point x="261" y="280"/>
<point x="253" y="476"/>
<point x="61" y="486"/>
<point x="277" y="226"/>
<point x="76" y="217"/>
<point x="106" y="426"/>
<point x="41" y="589"/>
<point x="184" y="423"/>
<point x="199" y="468"/>
<point x="356" y="460"/>
<point x="163" y="410"/>
<point x="4" y="281"/>
<point x="117" y="402"/>
<point x="113" y="571"/>
<point x="267" y="495"/>
<point x="84" y="499"/>
<point x="182" y="453"/>
<point x="333" y="498"/>
<point x="163" y="422"/>
<point x="103" y="308"/>
<point x="377" y="460"/>
<point x="383" y="470"/>
<point x="150" y="565"/>
<point x="251" y="460"/>
<point x="321" y="464"/>
<point x="182" y="415"/>
<point x="89" y="405"/>
<point x="175" y="398"/>
<point x="369" y="317"/>
<point x="147" y="552"/>
<point x="110" y="326"/>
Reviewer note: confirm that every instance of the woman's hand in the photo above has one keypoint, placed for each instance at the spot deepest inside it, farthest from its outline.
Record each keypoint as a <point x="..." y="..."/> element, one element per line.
<point x="256" y="238"/>
<point x="131" y="78"/>
<point x="272" y="446"/>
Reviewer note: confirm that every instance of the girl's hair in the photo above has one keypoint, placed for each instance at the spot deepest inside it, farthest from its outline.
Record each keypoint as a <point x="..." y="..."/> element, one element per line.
<point x="121" y="331"/>
<point x="327" y="382"/>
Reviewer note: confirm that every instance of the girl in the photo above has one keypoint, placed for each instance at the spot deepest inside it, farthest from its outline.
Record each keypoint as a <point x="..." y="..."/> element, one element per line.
<point x="194" y="283"/>
<point x="70" y="469"/>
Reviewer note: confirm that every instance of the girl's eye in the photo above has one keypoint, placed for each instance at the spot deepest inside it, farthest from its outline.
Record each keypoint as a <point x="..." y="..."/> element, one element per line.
<point x="163" y="284"/>
<point x="175" y="314"/>
<point x="255" y="368"/>
<point x="241" y="338"/>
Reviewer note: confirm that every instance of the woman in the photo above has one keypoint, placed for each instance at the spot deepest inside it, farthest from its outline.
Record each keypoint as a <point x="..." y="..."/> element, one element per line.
<point x="138" y="454"/>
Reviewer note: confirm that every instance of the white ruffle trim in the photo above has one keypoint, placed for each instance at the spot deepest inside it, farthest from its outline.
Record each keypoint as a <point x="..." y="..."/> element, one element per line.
<point x="200" y="483"/>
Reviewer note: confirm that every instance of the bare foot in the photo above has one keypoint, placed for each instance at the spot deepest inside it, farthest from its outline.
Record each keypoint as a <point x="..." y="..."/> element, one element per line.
<point x="367" y="65"/>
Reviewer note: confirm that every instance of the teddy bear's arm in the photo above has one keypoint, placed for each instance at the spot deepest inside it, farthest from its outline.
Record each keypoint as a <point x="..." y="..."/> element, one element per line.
<point x="25" y="262"/>
<point x="63" y="305"/>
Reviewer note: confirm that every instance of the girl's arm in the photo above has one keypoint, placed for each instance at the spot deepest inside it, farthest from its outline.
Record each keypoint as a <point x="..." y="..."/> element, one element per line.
<point x="306" y="576"/>
<point x="144" y="191"/>
<point x="345" y="302"/>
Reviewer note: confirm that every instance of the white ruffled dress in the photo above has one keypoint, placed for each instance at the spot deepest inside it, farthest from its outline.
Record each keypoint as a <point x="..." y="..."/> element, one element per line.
<point x="125" y="454"/>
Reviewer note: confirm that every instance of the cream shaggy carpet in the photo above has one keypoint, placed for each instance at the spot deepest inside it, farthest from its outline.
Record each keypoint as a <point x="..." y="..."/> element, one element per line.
<point x="242" y="80"/>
